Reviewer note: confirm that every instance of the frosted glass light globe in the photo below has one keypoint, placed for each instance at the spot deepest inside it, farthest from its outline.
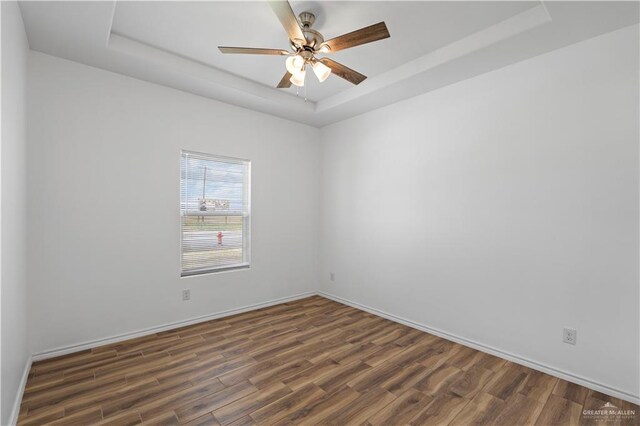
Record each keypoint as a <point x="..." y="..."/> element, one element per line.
<point x="321" y="71"/>
<point x="298" y="78"/>
<point x="294" y="63"/>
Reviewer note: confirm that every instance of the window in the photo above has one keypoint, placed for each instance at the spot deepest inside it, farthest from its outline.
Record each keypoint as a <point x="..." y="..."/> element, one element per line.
<point x="215" y="213"/>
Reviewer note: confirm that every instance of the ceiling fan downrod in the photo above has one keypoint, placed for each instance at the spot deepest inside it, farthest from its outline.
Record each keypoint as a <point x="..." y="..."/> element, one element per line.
<point x="313" y="38"/>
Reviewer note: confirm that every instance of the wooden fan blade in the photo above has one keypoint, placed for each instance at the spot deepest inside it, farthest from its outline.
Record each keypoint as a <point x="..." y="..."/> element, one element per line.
<point x="252" y="50"/>
<point x="356" y="38"/>
<point x="288" y="19"/>
<point x="285" y="82"/>
<point x="344" y="72"/>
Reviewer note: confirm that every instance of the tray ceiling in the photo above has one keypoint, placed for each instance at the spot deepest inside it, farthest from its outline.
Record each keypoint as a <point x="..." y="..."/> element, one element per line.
<point x="432" y="44"/>
<point x="195" y="29"/>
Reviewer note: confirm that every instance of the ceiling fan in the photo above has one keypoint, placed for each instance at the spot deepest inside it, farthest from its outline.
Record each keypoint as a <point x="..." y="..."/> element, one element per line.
<point x="306" y="43"/>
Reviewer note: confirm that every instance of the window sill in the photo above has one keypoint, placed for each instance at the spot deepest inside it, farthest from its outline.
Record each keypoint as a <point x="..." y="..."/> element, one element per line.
<point x="213" y="271"/>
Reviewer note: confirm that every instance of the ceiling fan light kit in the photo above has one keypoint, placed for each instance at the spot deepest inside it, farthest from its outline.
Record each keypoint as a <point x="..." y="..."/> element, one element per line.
<point x="294" y="63"/>
<point x="321" y="71"/>
<point x="297" y="79"/>
<point x="306" y="43"/>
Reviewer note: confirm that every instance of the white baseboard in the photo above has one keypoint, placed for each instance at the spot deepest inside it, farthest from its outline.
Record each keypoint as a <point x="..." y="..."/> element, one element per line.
<point x="493" y="351"/>
<point x="52" y="353"/>
<point x="15" y="412"/>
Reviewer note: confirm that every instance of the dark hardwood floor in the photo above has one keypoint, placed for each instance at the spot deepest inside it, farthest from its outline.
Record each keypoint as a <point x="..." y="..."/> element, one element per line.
<point x="312" y="361"/>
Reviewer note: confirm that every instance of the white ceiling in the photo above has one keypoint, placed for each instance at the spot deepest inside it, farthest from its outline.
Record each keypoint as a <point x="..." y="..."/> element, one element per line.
<point x="432" y="44"/>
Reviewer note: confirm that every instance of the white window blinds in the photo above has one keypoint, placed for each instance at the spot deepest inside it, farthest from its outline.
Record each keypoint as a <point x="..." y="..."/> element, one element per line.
<point x="215" y="213"/>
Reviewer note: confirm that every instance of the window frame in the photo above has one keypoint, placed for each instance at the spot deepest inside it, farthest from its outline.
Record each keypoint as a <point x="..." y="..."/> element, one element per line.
<point x="246" y="215"/>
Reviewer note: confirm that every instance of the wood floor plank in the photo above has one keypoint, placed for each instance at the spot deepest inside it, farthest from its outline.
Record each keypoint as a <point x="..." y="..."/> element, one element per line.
<point x="206" y="420"/>
<point x="142" y="396"/>
<point x="414" y="337"/>
<point x="128" y="418"/>
<point x="207" y="372"/>
<point x="391" y="336"/>
<point x="490" y="362"/>
<point x="217" y="344"/>
<point x="386" y="352"/>
<point x="559" y="411"/>
<point x="313" y="351"/>
<point x="161" y="371"/>
<point x="538" y="386"/>
<point x="520" y="410"/>
<point x="439" y="379"/>
<point x="244" y="421"/>
<point x="355" y="353"/>
<point x="482" y="409"/>
<point x="439" y="353"/>
<point x="141" y="344"/>
<point x="402" y="409"/>
<point x="287" y="405"/>
<point x="50" y="387"/>
<point x="70" y="361"/>
<point x="317" y="411"/>
<point x="413" y="354"/>
<point x="508" y="382"/>
<point x="464" y="359"/>
<point x="339" y="377"/>
<point x="441" y="411"/>
<point x="122" y="368"/>
<point x="312" y="374"/>
<point x="570" y="391"/>
<point x="163" y="419"/>
<point x="375" y="377"/>
<point x="365" y="406"/>
<point x="311" y="361"/>
<point x="125" y="359"/>
<point x="84" y="402"/>
<point x="177" y="399"/>
<point x="191" y="410"/>
<point x="117" y="345"/>
<point x="245" y="373"/>
<point x="86" y="417"/>
<point x="69" y="393"/>
<point x="42" y="417"/>
<point x="323" y="332"/>
<point x="367" y="335"/>
<point x="406" y="379"/>
<point x="45" y="380"/>
<point x="272" y="332"/>
<point x="62" y="358"/>
<point x="244" y="406"/>
<point x="269" y="351"/>
<point x="280" y="373"/>
<point x="471" y="382"/>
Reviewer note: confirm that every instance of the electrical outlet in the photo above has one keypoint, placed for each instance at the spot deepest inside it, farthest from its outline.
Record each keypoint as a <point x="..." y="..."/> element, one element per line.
<point x="332" y="277"/>
<point x="570" y="336"/>
<point x="186" y="294"/>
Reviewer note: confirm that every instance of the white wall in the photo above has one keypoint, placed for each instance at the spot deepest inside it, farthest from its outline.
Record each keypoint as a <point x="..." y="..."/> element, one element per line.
<point x="14" y="354"/>
<point x="104" y="226"/>
<point x="500" y="209"/>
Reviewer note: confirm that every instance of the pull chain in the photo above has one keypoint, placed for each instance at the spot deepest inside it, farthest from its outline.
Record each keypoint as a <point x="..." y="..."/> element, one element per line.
<point x="304" y="68"/>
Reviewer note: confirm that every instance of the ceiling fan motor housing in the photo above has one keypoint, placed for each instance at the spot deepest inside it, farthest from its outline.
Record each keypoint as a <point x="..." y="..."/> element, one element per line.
<point x="313" y="37"/>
